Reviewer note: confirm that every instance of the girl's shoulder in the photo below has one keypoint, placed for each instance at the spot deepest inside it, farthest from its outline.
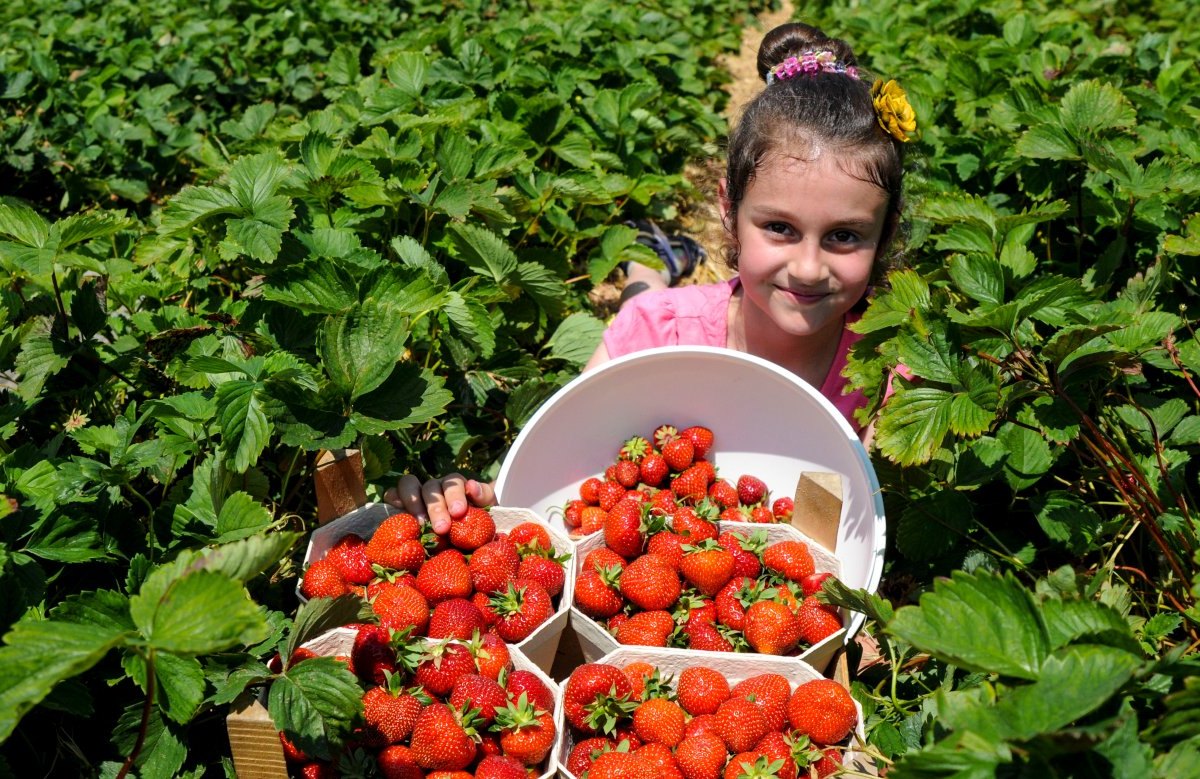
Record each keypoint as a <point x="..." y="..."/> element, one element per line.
<point x="690" y="300"/>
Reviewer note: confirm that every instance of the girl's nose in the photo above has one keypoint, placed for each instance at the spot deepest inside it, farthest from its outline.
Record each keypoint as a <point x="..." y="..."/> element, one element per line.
<point x="806" y="263"/>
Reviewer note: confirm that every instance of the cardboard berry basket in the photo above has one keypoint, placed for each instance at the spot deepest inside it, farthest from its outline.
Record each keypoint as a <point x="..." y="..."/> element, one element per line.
<point x="595" y="641"/>
<point x="541" y="645"/>
<point x="254" y="741"/>
<point x="734" y="667"/>
<point x="766" y="422"/>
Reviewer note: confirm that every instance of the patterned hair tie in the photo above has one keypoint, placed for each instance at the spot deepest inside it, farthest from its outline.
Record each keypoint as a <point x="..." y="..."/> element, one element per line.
<point x="810" y="63"/>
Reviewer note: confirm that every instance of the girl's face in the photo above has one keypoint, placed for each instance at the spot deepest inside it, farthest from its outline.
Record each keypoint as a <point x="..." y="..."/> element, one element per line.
<point x="807" y="235"/>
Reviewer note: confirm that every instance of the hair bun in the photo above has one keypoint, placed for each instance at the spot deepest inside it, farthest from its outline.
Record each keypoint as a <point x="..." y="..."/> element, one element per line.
<point x="793" y="39"/>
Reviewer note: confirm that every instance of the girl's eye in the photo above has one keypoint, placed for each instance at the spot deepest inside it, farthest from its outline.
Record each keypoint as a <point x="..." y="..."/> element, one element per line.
<point x="843" y="236"/>
<point x="776" y="227"/>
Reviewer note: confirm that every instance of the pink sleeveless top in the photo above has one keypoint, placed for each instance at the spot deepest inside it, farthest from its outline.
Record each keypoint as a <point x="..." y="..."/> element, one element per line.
<point x="698" y="315"/>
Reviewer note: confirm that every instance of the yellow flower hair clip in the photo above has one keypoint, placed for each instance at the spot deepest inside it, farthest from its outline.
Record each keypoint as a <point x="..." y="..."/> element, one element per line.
<point x="895" y="113"/>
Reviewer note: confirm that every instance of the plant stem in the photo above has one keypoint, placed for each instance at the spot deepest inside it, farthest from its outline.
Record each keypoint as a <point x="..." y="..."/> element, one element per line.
<point x="147" y="707"/>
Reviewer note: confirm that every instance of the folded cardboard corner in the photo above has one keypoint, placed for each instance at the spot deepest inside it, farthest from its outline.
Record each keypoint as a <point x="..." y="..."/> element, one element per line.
<point x="341" y="486"/>
<point x="818" y="507"/>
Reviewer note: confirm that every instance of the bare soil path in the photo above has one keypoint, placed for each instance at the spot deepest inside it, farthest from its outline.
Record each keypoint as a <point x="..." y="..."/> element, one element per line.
<point x="701" y="220"/>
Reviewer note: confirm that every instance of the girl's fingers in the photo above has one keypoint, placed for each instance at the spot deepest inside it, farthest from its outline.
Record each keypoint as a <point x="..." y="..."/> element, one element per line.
<point x="481" y="493"/>
<point x="406" y="495"/>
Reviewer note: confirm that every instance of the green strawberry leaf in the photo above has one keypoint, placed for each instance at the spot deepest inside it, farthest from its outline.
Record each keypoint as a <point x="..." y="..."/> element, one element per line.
<point x="196" y="612"/>
<point x="1007" y="632"/>
<point x="315" y="703"/>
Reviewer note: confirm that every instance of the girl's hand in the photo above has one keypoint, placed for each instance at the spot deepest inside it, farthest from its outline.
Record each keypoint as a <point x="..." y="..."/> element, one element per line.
<point x="440" y="501"/>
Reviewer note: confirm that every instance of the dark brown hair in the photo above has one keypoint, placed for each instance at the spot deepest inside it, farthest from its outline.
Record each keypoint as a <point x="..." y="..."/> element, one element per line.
<point x="822" y="110"/>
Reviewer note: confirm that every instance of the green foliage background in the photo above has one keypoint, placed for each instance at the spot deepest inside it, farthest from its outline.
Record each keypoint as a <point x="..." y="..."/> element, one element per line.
<point x="240" y="232"/>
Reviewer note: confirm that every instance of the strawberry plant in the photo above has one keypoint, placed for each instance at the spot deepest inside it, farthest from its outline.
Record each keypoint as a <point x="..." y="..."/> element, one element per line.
<point x="379" y="232"/>
<point x="1046" y="321"/>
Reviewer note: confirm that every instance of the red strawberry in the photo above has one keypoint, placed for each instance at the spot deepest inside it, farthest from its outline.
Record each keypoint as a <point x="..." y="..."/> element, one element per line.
<point x="746" y="551"/>
<point x="442" y="665"/>
<point x="494" y="565"/>
<point x="653" y="469"/>
<point x="573" y="513"/>
<point x="389" y="545"/>
<point x="391" y="712"/>
<point x="491" y="654"/>
<point x="696" y="524"/>
<point x="592" y="520"/>
<point x="668" y="546"/>
<point x="827" y="764"/>
<point x="530" y="535"/>
<point x="620" y="765"/>
<point x="595" y="697"/>
<point x="649" y="583"/>
<point x="701" y="438"/>
<point x="634" y="449"/>
<point x="707" y="566"/>
<point x="790" y="559"/>
<point x="291" y="752"/>
<point x="701" y="690"/>
<point x="527" y="683"/>
<point x="701" y="757"/>
<point x="483" y="602"/>
<point x="659" y="721"/>
<point x="478" y="692"/>
<point x="623" y="528"/>
<point x="585" y="752"/>
<point x="817" y="621"/>
<point x="546" y="571"/>
<point x="663" y="435"/>
<point x="372" y="657"/>
<point x="589" y="491"/>
<point x="602" y="557"/>
<point x="445" y="576"/>
<point x="771" y="691"/>
<point x="679" y="454"/>
<point x="692" y="608"/>
<point x="350" y="556"/>
<point x="723" y="494"/>
<point x="691" y="485"/>
<point x="782" y="508"/>
<point x="500" y="767"/>
<point x="703" y="725"/>
<point x="627" y="474"/>
<point x="522" y="609"/>
<point x="646" y="628"/>
<point x="741" y="723"/>
<point x="440" y="741"/>
<point x="823" y="711"/>
<point x="734" y="598"/>
<point x="663" y="760"/>
<point x="771" y="628"/>
<point x="455" y="618"/>
<point x="397" y="762"/>
<point x="597" y="594"/>
<point x="777" y="748"/>
<point x="664" y="501"/>
<point x="707" y="637"/>
<point x="762" y="515"/>
<point x="323" y="579"/>
<point x="736" y="514"/>
<point x="812" y="583"/>
<point x="400" y="606"/>
<point x="751" y="490"/>
<point x="526" y="732"/>
<point x="473" y="530"/>
<point x="611" y="493"/>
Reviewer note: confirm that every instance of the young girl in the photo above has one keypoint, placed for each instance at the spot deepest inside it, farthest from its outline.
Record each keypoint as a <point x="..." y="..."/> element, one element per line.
<point x="811" y="201"/>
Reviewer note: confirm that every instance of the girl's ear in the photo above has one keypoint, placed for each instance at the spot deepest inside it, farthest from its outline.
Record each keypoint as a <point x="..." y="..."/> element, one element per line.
<point x="723" y="203"/>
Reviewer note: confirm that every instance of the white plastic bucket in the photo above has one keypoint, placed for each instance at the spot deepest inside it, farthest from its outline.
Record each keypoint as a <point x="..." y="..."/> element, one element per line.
<point x="766" y="421"/>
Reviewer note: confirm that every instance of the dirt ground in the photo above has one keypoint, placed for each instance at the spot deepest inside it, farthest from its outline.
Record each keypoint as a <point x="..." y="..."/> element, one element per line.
<point x="701" y="220"/>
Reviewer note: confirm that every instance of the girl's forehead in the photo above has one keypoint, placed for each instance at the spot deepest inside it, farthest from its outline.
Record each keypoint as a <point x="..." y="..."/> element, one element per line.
<point x="827" y="175"/>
